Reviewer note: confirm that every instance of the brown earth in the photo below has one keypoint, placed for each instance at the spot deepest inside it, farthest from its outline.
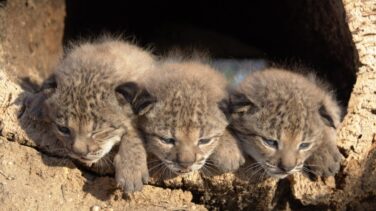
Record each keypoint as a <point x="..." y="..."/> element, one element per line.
<point x="30" y="180"/>
<point x="35" y="177"/>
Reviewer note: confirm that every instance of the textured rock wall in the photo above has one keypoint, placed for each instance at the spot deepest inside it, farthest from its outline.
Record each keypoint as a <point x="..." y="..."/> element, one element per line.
<point x="31" y="36"/>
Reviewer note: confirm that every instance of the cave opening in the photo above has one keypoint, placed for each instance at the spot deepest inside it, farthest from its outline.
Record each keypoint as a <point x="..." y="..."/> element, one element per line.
<point x="288" y="33"/>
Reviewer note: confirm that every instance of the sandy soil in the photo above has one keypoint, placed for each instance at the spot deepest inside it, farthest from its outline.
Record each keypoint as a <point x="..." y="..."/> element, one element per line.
<point x="30" y="180"/>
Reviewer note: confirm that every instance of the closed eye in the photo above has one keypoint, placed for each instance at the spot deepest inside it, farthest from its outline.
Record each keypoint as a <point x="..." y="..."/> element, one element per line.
<point x="304" y="146"/>
<point x="204" y="141"/>
<point x="270" y="143"/>
<point x="170" y="141"/>
<point x="63" y="130"/>
<point x="104" y="134"/>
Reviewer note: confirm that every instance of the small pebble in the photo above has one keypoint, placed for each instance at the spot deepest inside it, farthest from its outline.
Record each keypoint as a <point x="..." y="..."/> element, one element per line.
<point x="95" y="208"/>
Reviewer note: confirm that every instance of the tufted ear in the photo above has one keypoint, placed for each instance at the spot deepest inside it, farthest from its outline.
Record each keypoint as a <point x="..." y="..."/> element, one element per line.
<point x="50" y="84"/>
<point x="330" y="112"/>
<point x="139" y="98"/>
<point x="36" y="104"/>
<point x="240" y="103"/>
<point x="327" y="116"/>
<point x="223" y="105"/>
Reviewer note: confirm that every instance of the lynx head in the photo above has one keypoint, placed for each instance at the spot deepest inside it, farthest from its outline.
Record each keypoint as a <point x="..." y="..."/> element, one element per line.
<point x="80" y="100"/>
<point x="179" y="114"/>
<point x="281" y="118"/>
<point x="82" y="112"/>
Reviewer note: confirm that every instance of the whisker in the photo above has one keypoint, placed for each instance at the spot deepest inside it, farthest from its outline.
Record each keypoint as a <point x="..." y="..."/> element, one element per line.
<point x="153" y="161"/>
<point x="311" y="165"/>
<point x="209" y="169"/>
<point x="206" y="171"/>
<point x="163" y="173"/>
<point x="310" y="171"/>
<point x="156" y="166"/>
<point x="254" y="164"/>
<point x="253" y="167"/>
<point x="160" y="172"/>
<point x="256" y="172"/>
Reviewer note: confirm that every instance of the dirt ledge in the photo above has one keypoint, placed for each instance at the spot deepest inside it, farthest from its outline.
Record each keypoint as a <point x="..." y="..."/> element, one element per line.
<point x="34" y="181"/>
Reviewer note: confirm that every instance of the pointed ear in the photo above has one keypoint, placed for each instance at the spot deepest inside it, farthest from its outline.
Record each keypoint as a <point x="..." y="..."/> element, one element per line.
<point x="223" y="105"/>
<point x="49" y="84"/>
<point x="139" y="98"/>
<point x="36" y="103"/>
<point x="328" y="117"/>
<point x="240" y="103"/>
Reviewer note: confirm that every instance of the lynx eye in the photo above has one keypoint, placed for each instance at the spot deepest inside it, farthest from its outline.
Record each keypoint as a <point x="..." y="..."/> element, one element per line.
<point x="63" y="130"/>
<point x="303" y="146"/>
<point x="204" y="141"/>
<point x="168" y="140"/>
<point x="271" y="143"/>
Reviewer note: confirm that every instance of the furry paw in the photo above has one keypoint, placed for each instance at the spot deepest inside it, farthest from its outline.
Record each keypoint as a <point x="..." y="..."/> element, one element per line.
<point x="325" y="162"/>
<point x="131" y="178"/>
<point x="227" y="163"/>
<point x="227" y="157"/>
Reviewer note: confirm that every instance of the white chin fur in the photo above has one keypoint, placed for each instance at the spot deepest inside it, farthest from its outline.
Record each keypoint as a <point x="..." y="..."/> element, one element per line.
<point x="106" y="148"/>
<point x="177" y="170"/>
<point x="279" y="176"/>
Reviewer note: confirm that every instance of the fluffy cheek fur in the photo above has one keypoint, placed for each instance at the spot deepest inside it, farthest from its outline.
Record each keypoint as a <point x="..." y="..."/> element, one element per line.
<point x="253" y="147"/>
<point x="96" y="148"/>
<point x="269" y="158"/>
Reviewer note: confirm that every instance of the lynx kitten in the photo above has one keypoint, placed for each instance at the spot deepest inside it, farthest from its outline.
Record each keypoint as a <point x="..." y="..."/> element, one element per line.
<point x="287" y="122"/>
<point x="181" y="119"/>
<point x="81" y="103"/>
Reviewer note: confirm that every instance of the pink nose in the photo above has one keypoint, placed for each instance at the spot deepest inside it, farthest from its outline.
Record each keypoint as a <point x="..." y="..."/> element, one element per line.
<point x="285" y="168"/>
<point x="79" y="149"/>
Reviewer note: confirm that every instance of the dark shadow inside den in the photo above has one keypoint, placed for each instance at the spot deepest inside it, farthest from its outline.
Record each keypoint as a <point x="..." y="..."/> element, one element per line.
<point x="307" y="33"/>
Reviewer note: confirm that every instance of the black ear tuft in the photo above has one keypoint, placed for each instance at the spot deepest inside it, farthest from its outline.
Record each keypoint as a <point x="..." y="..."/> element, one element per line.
<point x="328" y="120"/>
<point x="128" y="91"/>
<point x="239" y="103"/>
<point x="50" y="83"/>
<point x="140" y="99"/>
<point x="223" y="105"/>
<point x="36" y="103"/>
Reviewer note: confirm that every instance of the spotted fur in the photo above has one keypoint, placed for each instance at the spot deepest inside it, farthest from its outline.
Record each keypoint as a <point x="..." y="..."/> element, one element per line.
<point x="82" y="105"/>
<point x="285" y="121"/>
<point x="182" y="121"/>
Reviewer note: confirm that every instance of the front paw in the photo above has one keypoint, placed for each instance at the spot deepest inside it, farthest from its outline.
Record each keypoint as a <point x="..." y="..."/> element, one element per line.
<point x="229" y="164"/>
<point x="131" y="178"/>
<point x="324" y="163"/>
<point x="332" y="163"/>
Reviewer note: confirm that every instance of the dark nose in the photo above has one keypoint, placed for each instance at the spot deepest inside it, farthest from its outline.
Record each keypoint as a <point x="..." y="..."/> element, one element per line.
<point x="185" y="159"/>
<point x="185" y="165"/>
<point x="79" y="148"/>
<point x="285" y="168"/>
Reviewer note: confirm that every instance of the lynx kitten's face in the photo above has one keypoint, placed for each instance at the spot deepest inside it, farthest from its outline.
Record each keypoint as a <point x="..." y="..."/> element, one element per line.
<point x="180" y="115"/>
<point x="281" y="119"/>
<point x="80" y="102"/>
<point x="182" y="134"/>
<point x="83" y="119"/>
<point x="280" y="140"/>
